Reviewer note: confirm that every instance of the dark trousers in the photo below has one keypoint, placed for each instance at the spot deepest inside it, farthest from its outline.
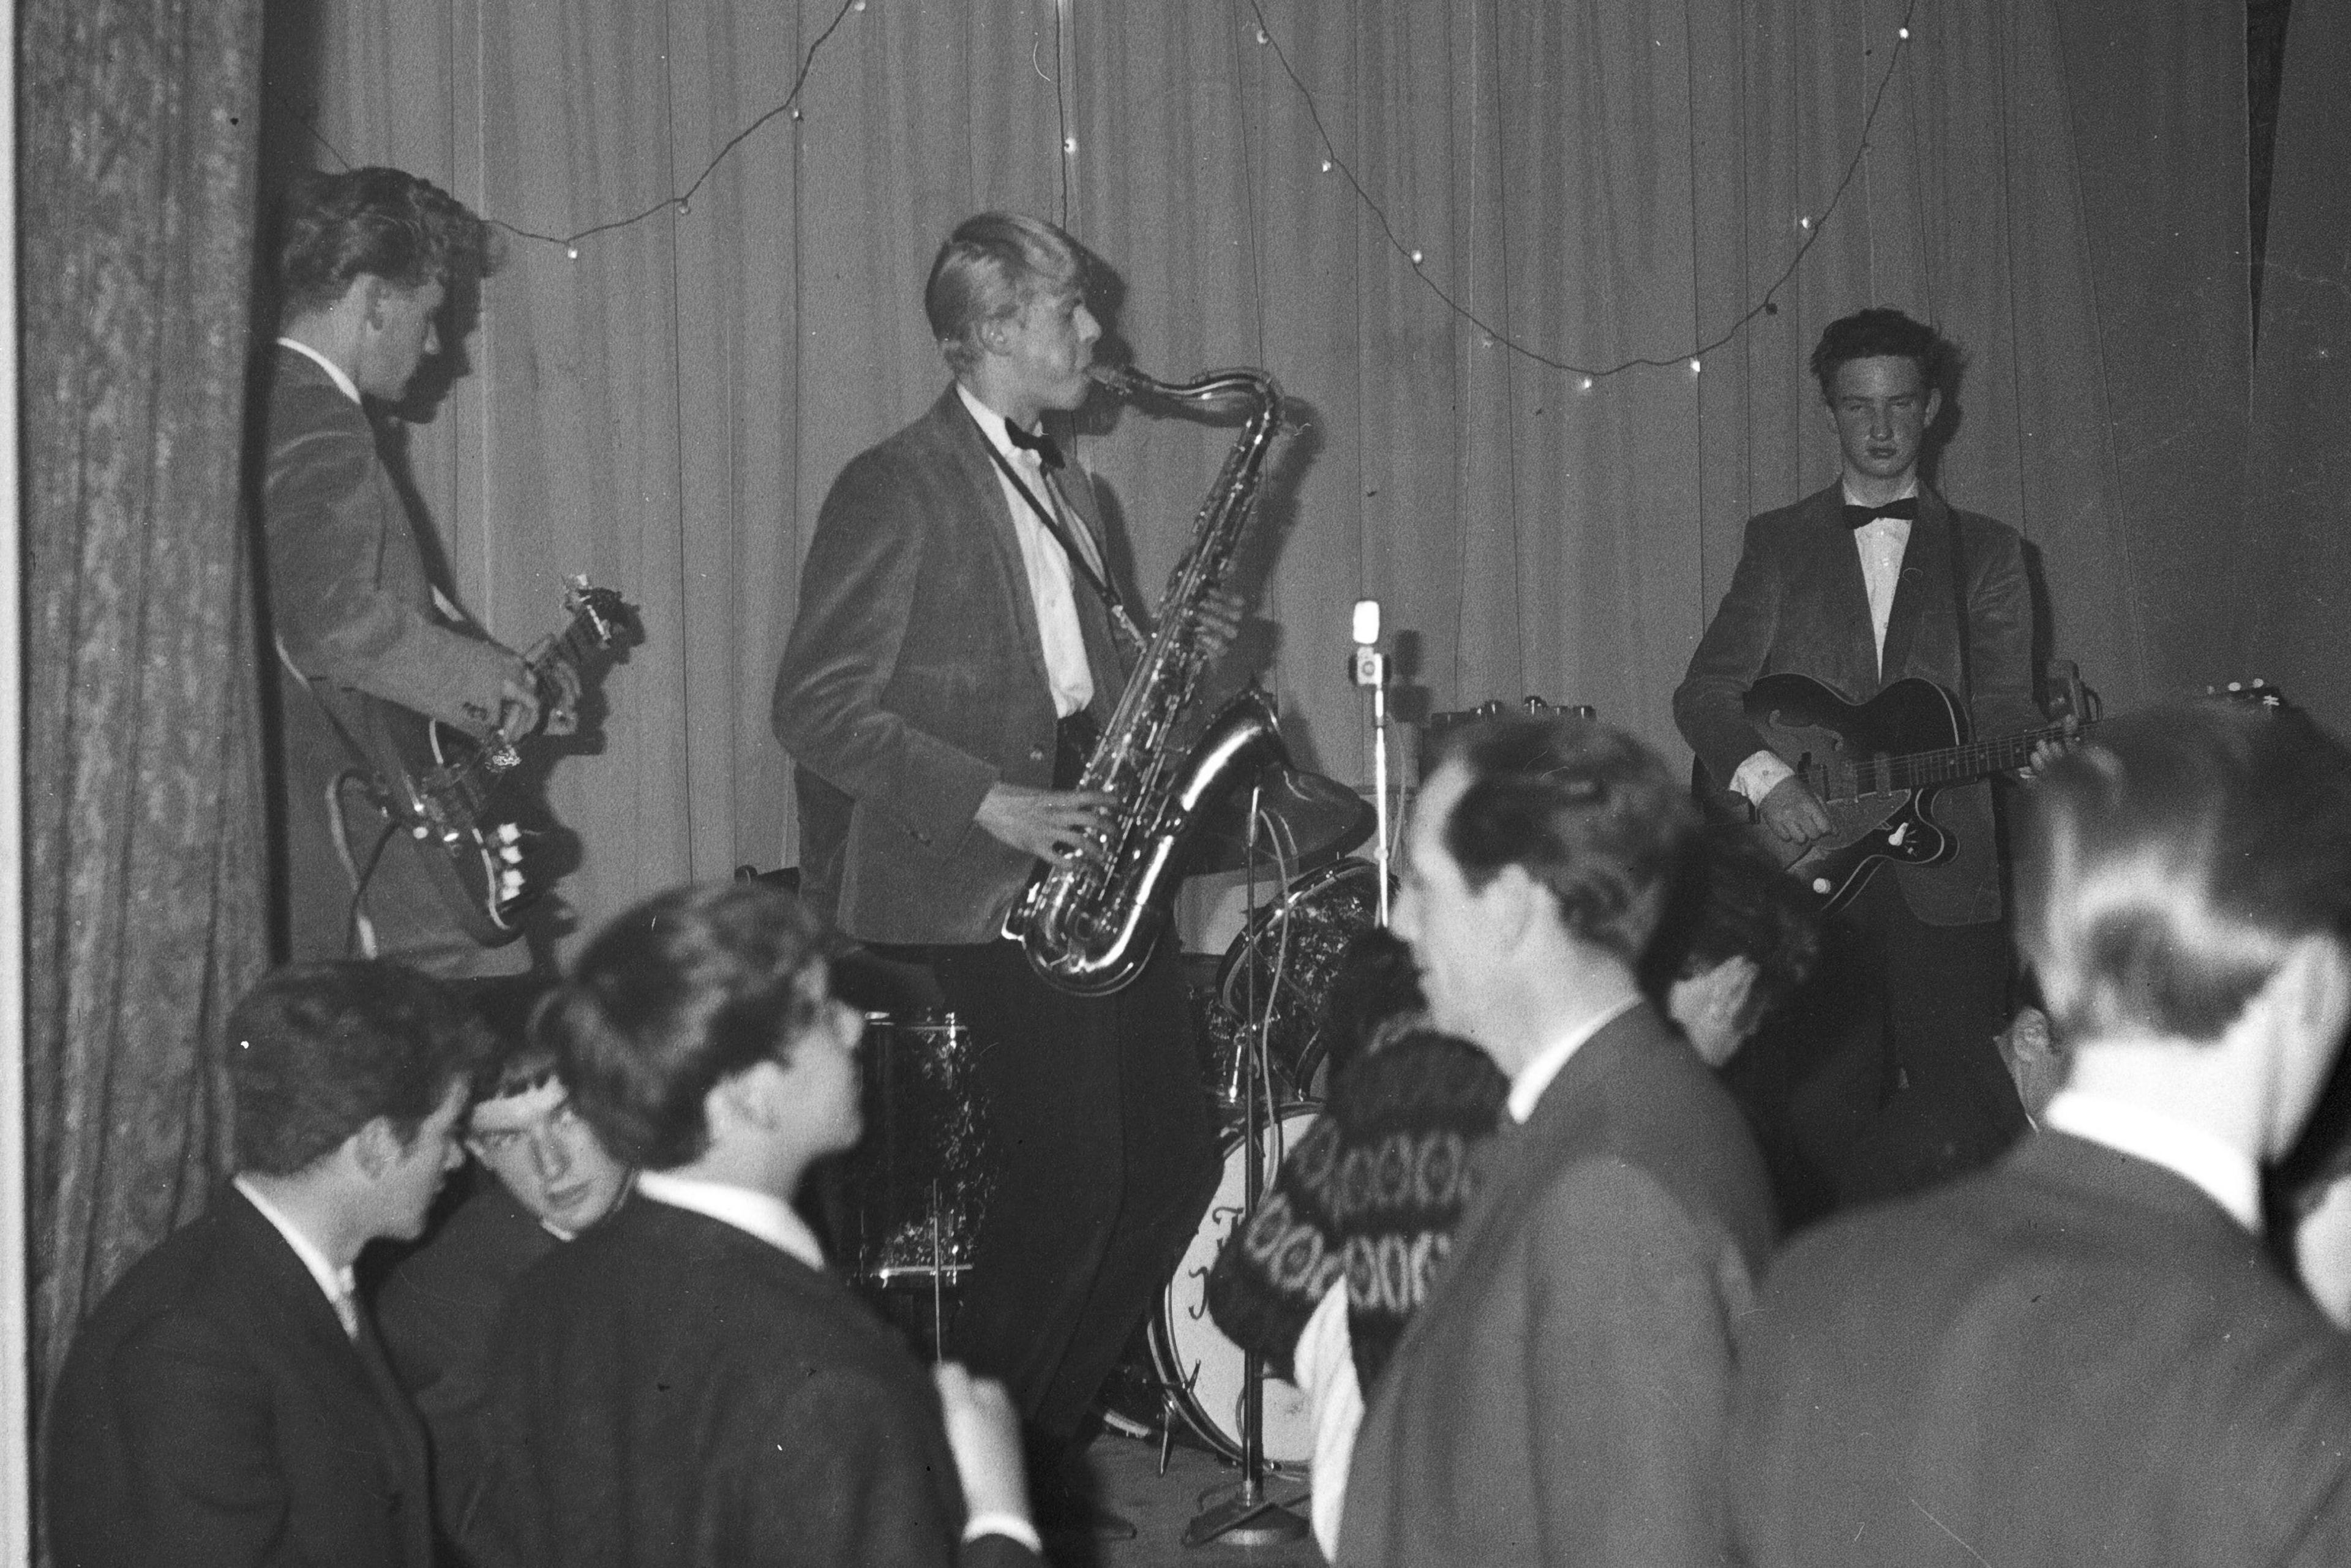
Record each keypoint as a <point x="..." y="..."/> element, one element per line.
<point x="1879" y="1077"/>
<point x="1106" y="1160"/>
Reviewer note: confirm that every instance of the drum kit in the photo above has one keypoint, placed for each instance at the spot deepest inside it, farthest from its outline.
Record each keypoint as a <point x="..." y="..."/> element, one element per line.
<point x="904" y="1208"/>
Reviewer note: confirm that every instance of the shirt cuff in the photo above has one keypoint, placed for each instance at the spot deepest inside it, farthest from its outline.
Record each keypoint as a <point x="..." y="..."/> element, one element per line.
<point x="1009" y="1525"/>
<point x="1759" y="775"/>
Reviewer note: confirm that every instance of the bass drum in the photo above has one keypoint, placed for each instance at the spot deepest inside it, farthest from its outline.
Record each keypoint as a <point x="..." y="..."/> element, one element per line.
<point x="1201" y="1370"/>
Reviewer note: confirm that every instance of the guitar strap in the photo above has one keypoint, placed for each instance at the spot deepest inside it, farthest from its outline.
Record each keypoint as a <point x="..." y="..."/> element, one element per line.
<point x="1103" y="589"/>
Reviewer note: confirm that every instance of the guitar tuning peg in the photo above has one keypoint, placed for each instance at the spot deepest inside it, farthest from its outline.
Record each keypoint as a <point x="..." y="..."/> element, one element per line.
<point x="509" y="833"/>
<point x="511" y="854"/>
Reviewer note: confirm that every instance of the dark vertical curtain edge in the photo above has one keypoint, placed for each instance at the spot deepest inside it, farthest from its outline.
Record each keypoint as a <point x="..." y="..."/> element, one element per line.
<point x="16" y="1327"/>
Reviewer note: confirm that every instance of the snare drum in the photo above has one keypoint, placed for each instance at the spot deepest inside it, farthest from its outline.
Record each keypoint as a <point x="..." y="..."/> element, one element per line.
<point x="1200" y="1368"/>
<point x="907" y="1201"/>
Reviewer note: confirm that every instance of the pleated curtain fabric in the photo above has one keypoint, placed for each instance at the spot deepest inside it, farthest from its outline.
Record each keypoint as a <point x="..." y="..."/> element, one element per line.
<point x="2059" y="184"/>
<point x="145" y="869"/>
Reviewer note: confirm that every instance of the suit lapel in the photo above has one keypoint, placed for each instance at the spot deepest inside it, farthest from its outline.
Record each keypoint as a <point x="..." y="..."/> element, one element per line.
<point x="961" y="435"/>
<point x="1835" y="566"/>
<point x="301" y="1319"/>
<point x="1924" y="585"/>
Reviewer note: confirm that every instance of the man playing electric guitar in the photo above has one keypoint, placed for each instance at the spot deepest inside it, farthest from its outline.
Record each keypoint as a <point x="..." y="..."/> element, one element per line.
<point x="1885" y="1077"/>
<point x="366" y="261"/>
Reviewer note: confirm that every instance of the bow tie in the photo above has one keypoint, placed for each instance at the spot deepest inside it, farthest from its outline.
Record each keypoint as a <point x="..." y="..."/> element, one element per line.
<point x="1048" y="451"/>
<point x="1906" y="509"/>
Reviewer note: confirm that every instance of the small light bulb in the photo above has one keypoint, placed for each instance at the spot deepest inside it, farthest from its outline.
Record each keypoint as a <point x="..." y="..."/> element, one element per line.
<point x="857" y="4"/>
<point x="573" y="251"/>
<point x="681" y="208"/>
<point x="796" y="114"/>
<point x="1804" y="223"/>
<point x="1262" y="37"/>
<point x="1901" y="32"/>
<point x="1416" y="258"/>
<point x="1586" y="385"/>
<point x="1695" y="367"/>
<point x="1069" y="144"/>
<point x="1326" y="165"/>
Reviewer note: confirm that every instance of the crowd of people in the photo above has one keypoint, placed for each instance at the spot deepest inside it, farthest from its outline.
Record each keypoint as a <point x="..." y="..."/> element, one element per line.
<point x="2002" y="1215"/>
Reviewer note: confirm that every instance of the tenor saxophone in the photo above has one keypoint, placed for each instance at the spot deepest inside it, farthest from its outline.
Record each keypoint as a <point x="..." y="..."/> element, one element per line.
<point x="1089" y="926"/>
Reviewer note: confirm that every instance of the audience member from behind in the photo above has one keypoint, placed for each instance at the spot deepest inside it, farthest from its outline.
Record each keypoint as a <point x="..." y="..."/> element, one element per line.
<point x="1558" y="1397"/>
<point x="2082" y="1355"/>
<point x="554" y="1179"/>
<point x="1737" y="935"/>
<point x="227" y="1404"/>
<point x="686" y="1384"/>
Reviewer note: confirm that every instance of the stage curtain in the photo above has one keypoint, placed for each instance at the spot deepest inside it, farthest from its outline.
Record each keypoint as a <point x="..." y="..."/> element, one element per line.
<point x="2059" y="184"/>
<point x="144" y="869"/>
<point x="2292" y="573"/>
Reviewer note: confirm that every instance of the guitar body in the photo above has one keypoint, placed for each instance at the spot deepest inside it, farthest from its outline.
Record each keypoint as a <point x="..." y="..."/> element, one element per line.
<point x="439" y="785"/>
<point x="1811" y="725"/>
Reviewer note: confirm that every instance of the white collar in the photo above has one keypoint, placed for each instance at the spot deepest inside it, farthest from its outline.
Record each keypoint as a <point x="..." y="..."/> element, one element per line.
<point x="2223" y="1172"/>
<point x="342" y="380"/>
<point x="993" y="425"/>
<point x="757" y="1214"/>
<point x="1527" y="1089"/>
<point x="339" y="1285"/>
<point x="1910" y="490"/>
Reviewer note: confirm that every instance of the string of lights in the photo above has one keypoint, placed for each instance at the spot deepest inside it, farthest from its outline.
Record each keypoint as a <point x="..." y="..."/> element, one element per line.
<point x="1331" y="162"/>
<point x="1696" y="357"/>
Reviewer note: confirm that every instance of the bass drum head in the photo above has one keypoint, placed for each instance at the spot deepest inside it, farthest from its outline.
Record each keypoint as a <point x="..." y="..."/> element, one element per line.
<point x="1203" y="1370"/>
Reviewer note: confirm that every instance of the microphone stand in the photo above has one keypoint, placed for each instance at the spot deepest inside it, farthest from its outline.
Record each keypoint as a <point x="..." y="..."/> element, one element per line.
<point x="1247" y="1515"/>
<point x="1369" y="670"/>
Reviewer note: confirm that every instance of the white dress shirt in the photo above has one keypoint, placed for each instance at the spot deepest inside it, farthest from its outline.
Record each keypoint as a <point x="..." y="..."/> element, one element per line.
<point x="2223" y="1172"/>
<point x="1527" y="1087"/>
<point x="340" y="1286"/>
<point x="1880" y="543"/>
<point x="1051" y="584"/>
<point x="342" y="378"/>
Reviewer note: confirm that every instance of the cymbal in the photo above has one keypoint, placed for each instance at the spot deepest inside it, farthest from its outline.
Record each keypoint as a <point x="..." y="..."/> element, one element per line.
<point x="1309" y="819"/>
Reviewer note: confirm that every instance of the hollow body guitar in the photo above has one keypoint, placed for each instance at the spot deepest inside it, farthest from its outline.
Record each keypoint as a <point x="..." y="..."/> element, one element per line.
<point x="1876" y="767"/>
<point x="439" y="784"/>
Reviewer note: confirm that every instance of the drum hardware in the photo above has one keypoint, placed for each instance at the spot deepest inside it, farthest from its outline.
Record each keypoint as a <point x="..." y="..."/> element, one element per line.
<point x="1311" y="819"/>
<point x="1288" y="954"/>
<point x="1246" y="1513"/>
<point x="905" y="1206"/>
<point x="1494" y="707"/>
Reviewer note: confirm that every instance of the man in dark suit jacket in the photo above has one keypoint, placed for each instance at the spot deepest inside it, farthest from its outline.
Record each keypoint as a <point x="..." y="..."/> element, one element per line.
<point x="366" y="260"/>
<point x="1869" y="581"/>
<point x="952" y="660"/>
<point x="549" y="1178"/>
<point x="227" y="1405"/>
<point x="1560" y="1398"/>
<point x="685" y="1385"/>
<point x="2083" y="1354"/>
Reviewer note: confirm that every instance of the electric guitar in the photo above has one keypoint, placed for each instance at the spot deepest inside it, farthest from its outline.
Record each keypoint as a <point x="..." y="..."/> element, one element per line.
<point x="438" y="783"/>
<point x="1877" y="767"/>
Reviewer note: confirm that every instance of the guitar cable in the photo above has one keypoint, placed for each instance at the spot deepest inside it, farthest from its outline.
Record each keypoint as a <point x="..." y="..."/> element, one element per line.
<point x="359" y="932"/>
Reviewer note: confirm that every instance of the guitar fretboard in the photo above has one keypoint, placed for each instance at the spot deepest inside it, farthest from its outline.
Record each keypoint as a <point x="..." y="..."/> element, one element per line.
<point x="1849" y="780"/>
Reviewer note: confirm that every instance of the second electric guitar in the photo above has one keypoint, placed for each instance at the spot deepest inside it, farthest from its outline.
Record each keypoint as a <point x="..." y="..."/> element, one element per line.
<point x="1876" y="767"/>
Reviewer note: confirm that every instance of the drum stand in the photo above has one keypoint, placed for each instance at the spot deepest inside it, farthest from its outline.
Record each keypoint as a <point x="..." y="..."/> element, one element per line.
<point x="1246" y="1513"/>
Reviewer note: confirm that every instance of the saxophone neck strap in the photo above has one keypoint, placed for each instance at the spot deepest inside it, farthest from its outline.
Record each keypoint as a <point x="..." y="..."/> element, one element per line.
<point x="1102" y="588"/>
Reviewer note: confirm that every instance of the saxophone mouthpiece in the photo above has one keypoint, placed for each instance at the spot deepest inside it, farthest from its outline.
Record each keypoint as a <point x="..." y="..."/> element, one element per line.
<point x="1123" y="379"/>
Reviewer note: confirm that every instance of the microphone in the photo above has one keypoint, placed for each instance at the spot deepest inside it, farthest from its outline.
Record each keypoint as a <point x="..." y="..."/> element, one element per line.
<point x="1367" y="667"/>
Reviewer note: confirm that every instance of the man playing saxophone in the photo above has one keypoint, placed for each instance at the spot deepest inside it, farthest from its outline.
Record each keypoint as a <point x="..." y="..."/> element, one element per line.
<point x="958" y="646"/>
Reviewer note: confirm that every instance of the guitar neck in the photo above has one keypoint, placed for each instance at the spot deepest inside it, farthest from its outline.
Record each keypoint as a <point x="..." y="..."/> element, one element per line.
<point x="1926" y="769"/>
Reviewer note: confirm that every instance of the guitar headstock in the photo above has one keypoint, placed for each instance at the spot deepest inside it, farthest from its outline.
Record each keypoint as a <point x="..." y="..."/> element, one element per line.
<point x="598" y="611"/>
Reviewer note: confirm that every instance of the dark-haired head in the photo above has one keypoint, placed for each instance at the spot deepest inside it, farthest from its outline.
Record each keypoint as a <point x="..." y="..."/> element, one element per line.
<point x="987" y="271"/>
<point x="1730" y="900"/>
<point x="1590" y="813"/>
<point x="1880" y="332"/>
<point x="333" y="228"/>
<point x="685" y="990"/>
<point x="2171" y="866"/>
<point x="316" y="1051"/>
